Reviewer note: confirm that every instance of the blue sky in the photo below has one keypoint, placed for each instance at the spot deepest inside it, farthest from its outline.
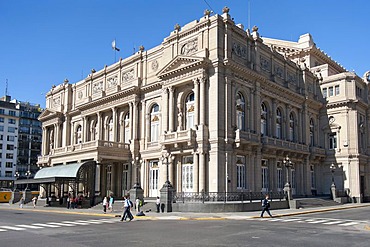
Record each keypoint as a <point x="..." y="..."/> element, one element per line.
<point x="42" y="42"/>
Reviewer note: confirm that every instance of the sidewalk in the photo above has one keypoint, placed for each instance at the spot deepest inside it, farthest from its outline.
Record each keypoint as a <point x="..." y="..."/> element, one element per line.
<point x="183" y="216"/>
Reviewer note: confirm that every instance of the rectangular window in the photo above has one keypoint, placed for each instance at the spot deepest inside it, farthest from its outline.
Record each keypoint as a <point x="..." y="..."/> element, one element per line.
<point x="8" y="174"/>
<point x="240" y="172"/>
<point x="331" y="91"/>
<point x="9" y="147"/>
<point x="2" y="111"/>
<point x="265" y="183"/>
<point x="11" y="113"/>
<point x="337" y="90"/>
<point x="312" y="177"/>
<point x="11" y="129"/>
<point x="324" y="92"/>
<point x="1" y="128"/>
<point x="9" y="164"/>
<point x="332" y="141"/>
<point x="1" y="120"/>
<point x="11" y="121"/>
<point x="10" y="138"/>
<point x="9" y="155"/>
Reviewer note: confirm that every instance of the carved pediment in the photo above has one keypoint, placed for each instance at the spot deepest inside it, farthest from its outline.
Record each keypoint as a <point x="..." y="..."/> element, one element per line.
<point x="180" y="64"/>
<point x="49" y="114"/>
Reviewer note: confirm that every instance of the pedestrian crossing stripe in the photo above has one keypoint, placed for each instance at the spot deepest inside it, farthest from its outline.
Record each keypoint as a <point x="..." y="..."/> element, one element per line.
<point x="314" y="221"/>
<point x="55" y="224"/>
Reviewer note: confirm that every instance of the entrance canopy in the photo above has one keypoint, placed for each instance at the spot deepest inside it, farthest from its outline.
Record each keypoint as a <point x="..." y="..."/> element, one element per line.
<point x="54" y="173"/>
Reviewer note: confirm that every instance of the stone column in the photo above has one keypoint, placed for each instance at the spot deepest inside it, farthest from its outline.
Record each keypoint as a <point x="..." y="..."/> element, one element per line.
<point x="165" y="109"/>
<point x="44" y="150"/>
<point x="115" y="123"/>
<point x="202" y="100"/>
<point x="196" y="103"/>
<point x="84" y="129"/>
<point x="100" y="125"/>
<point x="147" y="121"/>
<point x="202" y="174"/>
<point x="143" y="120"/>
<point x="171" y="109"/>
<point x="131" y="109"/>
<point x="273" y="120"/>
<point x="195" y="172"/>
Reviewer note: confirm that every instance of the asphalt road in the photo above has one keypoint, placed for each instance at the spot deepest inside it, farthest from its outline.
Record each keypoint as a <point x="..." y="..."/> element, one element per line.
<point x="338" y="228"/>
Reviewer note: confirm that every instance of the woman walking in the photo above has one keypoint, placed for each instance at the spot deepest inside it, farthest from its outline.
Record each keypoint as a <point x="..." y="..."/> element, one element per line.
<point x="105" y="202"/>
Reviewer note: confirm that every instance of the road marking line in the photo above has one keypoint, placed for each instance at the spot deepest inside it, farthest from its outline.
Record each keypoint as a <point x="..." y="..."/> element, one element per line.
<point x="332" y="223"/>
<point x="3" y="230"/>
<point x="317" y="222"/>
<point x="46" y="225"/>
<point x="60" y="224"/>
<point x="349" y="224"/>
<point x="13" y="228"/>
<point x="90" y="222"/>
<point x="76" y="223"/>
<point x="289" y="220"/>
<point x="30" y="226"/>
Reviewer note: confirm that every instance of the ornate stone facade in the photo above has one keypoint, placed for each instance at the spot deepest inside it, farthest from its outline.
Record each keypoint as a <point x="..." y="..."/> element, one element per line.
<point x="227" y="106"/>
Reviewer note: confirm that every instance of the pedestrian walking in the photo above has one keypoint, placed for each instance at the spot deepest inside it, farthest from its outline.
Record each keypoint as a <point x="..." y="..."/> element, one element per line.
<point x="105" y="202"/>
<point x="137" y="205"/>
<point x="34" y="201"/>
<point x="127" y="205"/>
<point x="21" y="202"/>
<point x="69" y="201"/>
<point x="266" y="206"/>
<point x="111" y="201"/>
<point x="158" y="204"/>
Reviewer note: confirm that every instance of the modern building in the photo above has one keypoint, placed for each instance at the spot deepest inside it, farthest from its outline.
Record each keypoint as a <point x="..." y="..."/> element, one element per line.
<point x="29" y="141"/>
<point x="9" y="122"/>
<point x="213" y="108"/>
<point x="20" y="134"/>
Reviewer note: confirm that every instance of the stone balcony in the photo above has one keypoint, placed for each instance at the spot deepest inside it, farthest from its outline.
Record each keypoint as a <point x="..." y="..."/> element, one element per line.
<point x="275" y="143"/>
<point x="181" y="136"/>
<point x="97" y="149"/>
<point x="317" y="152"/>
<point x="245" y="137"/>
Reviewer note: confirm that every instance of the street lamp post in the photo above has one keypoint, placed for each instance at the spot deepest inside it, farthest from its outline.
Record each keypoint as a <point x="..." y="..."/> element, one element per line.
<point x="333" y="187"/>
<point x="287" y="187"/>
<point x="137" y="163"/>
<point x="166" y="157"/>
<point x="16" y="176"/>
<point x="167" y="191"/>
<point x="332" y="169"/>
<point x="28" y="175"/>
<point x="137" y="191"/>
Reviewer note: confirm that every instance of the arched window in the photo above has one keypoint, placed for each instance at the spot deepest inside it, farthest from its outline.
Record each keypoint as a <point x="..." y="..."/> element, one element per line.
<point x="190" y="111"/>
<point x="312" y="131"/>
<point x="240" y="111"/>
<point x="110" y="130"/>
<point x="279" y="121"/>
<point x="154" y="123"/>
<point x="291" y="127"/>
<point x="126" y="127"/>
<point x="79" y="134"/>
<point x="263" y="119"/>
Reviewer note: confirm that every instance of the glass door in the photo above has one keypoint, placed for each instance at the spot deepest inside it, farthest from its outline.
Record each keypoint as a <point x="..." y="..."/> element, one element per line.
<point x="153" y="179"/>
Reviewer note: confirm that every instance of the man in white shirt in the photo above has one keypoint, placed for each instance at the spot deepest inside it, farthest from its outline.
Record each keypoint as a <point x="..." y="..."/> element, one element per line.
<point x="127" y="204"/>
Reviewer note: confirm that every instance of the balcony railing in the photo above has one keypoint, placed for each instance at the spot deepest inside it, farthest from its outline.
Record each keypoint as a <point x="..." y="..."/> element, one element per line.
<point x="179" y="136"/>
<point x="203" y="197"/>
<point x="243" y="137"/>
<point x="88" y="146"/>
<point x="284" y="144"/>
